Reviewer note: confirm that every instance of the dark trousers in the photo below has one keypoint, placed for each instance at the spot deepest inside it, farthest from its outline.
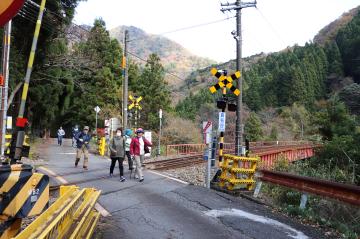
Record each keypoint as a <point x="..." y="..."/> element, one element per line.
<point x="129" y="160"/>
<point x="121" y="167"/>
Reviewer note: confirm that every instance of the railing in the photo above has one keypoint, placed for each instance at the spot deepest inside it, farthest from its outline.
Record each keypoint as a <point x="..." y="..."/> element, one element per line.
<point x="343" y="192"/>
<point x="189" y="149"/>
<point x="268" y="157"/>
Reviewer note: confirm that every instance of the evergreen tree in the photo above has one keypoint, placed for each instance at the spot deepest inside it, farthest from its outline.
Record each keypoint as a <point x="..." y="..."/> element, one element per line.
<point x="253" y="129"/>
<point x="154" y="90"/>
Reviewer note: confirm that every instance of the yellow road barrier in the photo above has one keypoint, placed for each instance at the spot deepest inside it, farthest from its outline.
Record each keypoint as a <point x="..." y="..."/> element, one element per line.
<point x="102" y="146"/>
<point x="71" y="216"/>
<point x="238" y="171"/>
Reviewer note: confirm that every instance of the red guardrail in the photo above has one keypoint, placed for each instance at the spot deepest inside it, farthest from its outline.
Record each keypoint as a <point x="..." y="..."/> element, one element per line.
<point x="269" y="156"/>
<point x="343" y="192"/>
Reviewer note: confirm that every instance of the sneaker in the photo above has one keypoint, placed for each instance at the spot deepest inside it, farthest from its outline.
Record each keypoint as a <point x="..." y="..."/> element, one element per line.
<point x="142" y="179"/>
<point x="85" y="168"/>
<point x="136" y="177"/>
<point x="122" y="179"/>
<point x="111" y="175"/>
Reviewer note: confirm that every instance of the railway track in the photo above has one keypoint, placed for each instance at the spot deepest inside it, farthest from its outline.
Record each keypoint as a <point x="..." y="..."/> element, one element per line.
<point x="178" y="162"/>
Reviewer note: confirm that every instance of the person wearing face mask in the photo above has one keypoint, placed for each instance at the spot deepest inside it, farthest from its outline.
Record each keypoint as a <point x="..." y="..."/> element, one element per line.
<point x="117" y="153"/>
<point x="138" y="147"/>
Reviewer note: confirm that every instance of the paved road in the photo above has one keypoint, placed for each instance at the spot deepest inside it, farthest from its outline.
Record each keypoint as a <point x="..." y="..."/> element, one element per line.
<point x="161" y="207"/>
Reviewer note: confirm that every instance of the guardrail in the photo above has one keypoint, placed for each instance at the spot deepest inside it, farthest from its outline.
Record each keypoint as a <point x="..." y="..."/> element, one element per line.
<point x="70" y="216"/>
<point x="268" y="157"/>
<point x="343" y="192"/>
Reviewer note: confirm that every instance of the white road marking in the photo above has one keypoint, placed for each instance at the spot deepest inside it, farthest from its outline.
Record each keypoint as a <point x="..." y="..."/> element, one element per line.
<point x="175" y="179"/>
<point x="257" y="218"/>
<point x="62" y="180"/>
<point x="67" y="153"/>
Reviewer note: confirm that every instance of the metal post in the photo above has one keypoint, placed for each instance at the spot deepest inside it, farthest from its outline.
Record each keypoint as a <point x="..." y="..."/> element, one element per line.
<point x="96" y="119"/>
<point x="208" y="165"/>
<point x="4" y="92"/>
<point x="126" y="79"/>
<point x="160" y="117"/>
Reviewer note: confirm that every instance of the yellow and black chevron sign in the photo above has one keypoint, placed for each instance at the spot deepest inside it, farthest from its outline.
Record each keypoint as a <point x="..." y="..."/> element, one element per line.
<point x="22" y="193"/>
<point x="225" y="81"/>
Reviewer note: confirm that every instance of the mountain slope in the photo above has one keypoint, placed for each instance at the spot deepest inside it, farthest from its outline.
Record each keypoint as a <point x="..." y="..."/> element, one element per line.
<point x="175" y="58"/>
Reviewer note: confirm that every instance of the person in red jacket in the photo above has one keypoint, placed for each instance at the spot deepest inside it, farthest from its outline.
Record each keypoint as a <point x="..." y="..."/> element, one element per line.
<point x="138" y="147"/>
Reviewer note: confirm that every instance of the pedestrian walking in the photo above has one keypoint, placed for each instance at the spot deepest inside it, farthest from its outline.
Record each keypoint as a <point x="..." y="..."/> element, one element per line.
<point x="128" y="134"/>
<point x="138" y="147"/>
<point x="117" y="153"/>
<point x="83" y="144"/>
<point x="60" y="135"/>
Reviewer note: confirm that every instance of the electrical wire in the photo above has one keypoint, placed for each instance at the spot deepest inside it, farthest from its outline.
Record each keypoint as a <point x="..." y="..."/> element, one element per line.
<point x="167" y="72"/>
<point x="271" y="26"/>
<point x="185" y="28"/>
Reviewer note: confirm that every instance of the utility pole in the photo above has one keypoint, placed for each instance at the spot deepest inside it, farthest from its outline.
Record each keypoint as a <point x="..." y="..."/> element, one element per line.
<point x="4" y="89"/>
<point x="126" y="79"/>
<point x="238" y="5"/>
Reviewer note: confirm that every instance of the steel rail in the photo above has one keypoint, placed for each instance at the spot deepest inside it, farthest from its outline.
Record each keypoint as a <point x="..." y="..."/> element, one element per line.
<point x="342" y="192"/>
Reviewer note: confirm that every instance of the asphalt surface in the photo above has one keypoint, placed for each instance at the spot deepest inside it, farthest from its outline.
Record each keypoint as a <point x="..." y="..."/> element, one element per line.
<point x="161" y="207"/>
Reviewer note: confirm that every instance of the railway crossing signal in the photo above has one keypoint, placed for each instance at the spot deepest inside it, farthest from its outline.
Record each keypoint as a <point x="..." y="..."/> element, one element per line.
<point x="135" y="102"/>
<point x="225" y="81"/>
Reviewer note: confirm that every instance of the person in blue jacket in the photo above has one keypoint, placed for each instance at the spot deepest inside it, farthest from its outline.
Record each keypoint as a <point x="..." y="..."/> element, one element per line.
<point x="83" y="144"/>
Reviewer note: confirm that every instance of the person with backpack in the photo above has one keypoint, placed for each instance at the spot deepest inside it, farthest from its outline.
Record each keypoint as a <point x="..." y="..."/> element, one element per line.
<point x="83" y="145"/>
<point x="128" y="133"/>
<point x="117" y="153"/>
<point x="138" y="148"/>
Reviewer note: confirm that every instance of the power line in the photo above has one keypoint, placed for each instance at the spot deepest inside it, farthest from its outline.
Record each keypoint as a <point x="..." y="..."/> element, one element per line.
<point x="167" y="72"/>
<point x="186" y="28"/>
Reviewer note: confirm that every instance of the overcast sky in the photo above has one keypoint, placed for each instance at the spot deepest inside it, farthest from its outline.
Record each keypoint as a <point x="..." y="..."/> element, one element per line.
<point x="272" y="26"/>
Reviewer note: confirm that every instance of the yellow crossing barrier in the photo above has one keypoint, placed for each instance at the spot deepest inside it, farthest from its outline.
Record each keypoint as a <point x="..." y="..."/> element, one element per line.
<point x="102" y="146"/>
<point x="70" y="216"/>
<point x="233" y="175"/>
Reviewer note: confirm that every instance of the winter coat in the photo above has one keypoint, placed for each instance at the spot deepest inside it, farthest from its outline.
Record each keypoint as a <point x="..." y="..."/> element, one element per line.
<point x="82" y="139"/>
<point x="135" y="145"/>
<point x="117" y="147"/>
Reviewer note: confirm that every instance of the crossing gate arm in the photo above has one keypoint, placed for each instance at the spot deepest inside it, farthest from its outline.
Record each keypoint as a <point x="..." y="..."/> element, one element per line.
<point x="72" y="215"/>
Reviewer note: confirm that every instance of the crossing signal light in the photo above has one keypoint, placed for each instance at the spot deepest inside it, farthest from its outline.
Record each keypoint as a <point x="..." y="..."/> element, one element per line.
<point x="232" y="107"/>
<point x="221" y="104"/>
